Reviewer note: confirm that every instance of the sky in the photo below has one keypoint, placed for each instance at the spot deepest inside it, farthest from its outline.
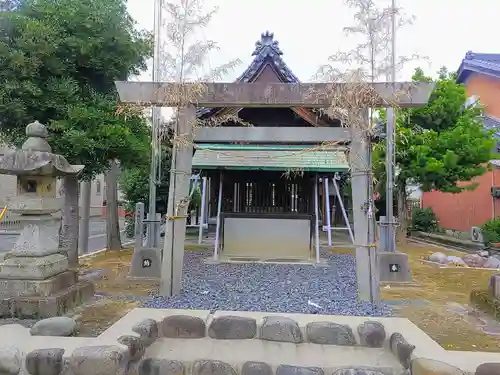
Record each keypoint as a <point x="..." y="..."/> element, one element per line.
<point x="310" y="31"/>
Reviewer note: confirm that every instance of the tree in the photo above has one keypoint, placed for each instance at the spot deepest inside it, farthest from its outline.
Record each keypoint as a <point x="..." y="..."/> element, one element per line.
<point x="372" y="56"/>
<point x="134" y="184"/>
<point x="439" y="145"/>
<point x="183" y="58"/>
<point x="373" y="25"/>
<point x="59" y="63"/>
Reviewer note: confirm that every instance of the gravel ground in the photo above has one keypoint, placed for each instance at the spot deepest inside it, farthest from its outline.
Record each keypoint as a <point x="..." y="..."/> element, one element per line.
<point x="270" y="288"/>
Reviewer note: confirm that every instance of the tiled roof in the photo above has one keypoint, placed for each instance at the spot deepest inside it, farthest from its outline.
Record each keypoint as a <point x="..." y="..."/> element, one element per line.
<point x="266" y="157"/>
<point x="267" y="51"/>
<point x="484" y="63"/>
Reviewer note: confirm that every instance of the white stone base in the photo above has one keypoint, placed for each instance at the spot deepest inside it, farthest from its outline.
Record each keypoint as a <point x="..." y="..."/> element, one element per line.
<point x="39" y="237"/>
<point x="33" y="268"/>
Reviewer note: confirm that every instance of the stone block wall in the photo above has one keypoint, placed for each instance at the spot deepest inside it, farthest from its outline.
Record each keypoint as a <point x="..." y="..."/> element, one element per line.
<point x="146" y="347"/>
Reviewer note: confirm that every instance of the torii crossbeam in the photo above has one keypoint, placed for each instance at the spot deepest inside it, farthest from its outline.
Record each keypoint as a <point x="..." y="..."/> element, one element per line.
<point x="311" y="95"/>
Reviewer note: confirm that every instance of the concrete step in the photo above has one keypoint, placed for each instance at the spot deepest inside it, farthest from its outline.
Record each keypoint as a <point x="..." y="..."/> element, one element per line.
<point x="189" y="337"/>
<point x="237" y="352"/>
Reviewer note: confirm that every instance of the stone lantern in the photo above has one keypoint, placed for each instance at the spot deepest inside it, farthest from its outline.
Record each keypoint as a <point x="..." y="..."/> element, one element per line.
<point x="34" y="277"/>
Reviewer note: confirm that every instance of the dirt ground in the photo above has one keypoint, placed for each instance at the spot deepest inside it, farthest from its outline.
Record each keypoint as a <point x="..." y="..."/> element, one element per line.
<point x="438" y="304"/>
<point x="447" y="316"/>
<point x="110" y="279"/>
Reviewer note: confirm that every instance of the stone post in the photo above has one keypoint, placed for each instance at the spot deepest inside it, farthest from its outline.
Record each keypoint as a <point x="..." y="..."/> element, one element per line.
<point x="363" y="211"/>
<point x="139" y="225"/>
<point x="178" y="200"/>
<point x="146" y="261"/>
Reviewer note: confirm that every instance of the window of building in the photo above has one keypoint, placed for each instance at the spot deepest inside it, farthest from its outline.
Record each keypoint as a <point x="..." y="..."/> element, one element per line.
<point x="471" y="101"/>
<point x="98" y="187"/>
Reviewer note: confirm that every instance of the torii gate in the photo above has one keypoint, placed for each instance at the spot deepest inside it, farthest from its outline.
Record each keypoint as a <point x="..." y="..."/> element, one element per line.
<point x="311" y="95"/>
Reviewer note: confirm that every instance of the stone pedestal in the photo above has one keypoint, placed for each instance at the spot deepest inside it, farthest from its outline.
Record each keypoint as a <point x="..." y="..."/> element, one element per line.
<point x="146" y="264"/>
<point x="34" y="278"/>
<point x="394" y="267"/>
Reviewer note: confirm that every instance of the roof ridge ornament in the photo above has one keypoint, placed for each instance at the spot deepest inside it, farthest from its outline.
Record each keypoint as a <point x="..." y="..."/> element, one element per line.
<point x="267" y="42"/>
<point x="469" y="55"/>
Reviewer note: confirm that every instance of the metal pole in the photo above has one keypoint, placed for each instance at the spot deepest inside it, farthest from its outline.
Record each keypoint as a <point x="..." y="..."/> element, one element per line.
<point x="390" y="151"/>
<point x="219" y="209"/>
<point x="328" y="213"/>
<point x="342" y="207"/>
<point x="155" y="122"/>
<point x="203" y="208"/>
<point x="316" y="213"/>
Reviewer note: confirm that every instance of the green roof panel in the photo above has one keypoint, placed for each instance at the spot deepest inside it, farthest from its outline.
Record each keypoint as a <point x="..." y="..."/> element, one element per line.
<point x="271" y="158"/>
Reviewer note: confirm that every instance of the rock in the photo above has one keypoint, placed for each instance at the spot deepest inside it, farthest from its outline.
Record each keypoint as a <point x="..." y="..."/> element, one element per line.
<point x="483" y="253"/>
<point x="183" y="327"/>
<point x="455" y="261"/>
<point x="99" y="360"/>
<point x="438" y="258"/>
<point x="488" y="369"/>
<point x="327" y="333"/>
<point x="492" y="262"/>
<point x="154" y="366"/>
<point x="358" y="371"/>
<point x="280" y="328"/>
<point x="372" y="334"/>
<point x="232" y="328"/>
<point x="209" y="367"/>
<point x="401" y="349"/>
<point x="256" y="368"/>
<point x="135" y="346"/>
<point x="148" y="329"/>
<point x="10" y="360"/>
<point x="56" y="326"/>
<point x="474" y="260"/>
<point x="45" y="361"/>
<point x="425" y="366"/>
<point x="297" y="370"/>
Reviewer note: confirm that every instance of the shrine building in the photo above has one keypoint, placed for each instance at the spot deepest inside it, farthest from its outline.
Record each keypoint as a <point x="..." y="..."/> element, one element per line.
<point x="270" y="196"/>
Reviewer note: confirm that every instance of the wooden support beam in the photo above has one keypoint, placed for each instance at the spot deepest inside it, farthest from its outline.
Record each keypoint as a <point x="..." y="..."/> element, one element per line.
<point x="259" y="134"/>
<point x="311" y="95"/>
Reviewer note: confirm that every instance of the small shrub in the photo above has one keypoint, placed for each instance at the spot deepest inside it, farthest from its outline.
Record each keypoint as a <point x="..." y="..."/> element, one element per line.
<point x="195" y="201"/>
<point x="491" y="231"/>
<point x="130" y="226"/>
<point x="424" y="220"/>
<point x="130" y="220"/>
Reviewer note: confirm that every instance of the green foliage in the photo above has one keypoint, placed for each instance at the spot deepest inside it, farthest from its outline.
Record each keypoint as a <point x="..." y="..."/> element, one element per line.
<point x="59" y="62"/>
<point x="195" y="201"/>
<point x="134" y="184"/>
<point x="440" y="144"/>
<point x="424" y="220"/>
<point x="491" y="231"/>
